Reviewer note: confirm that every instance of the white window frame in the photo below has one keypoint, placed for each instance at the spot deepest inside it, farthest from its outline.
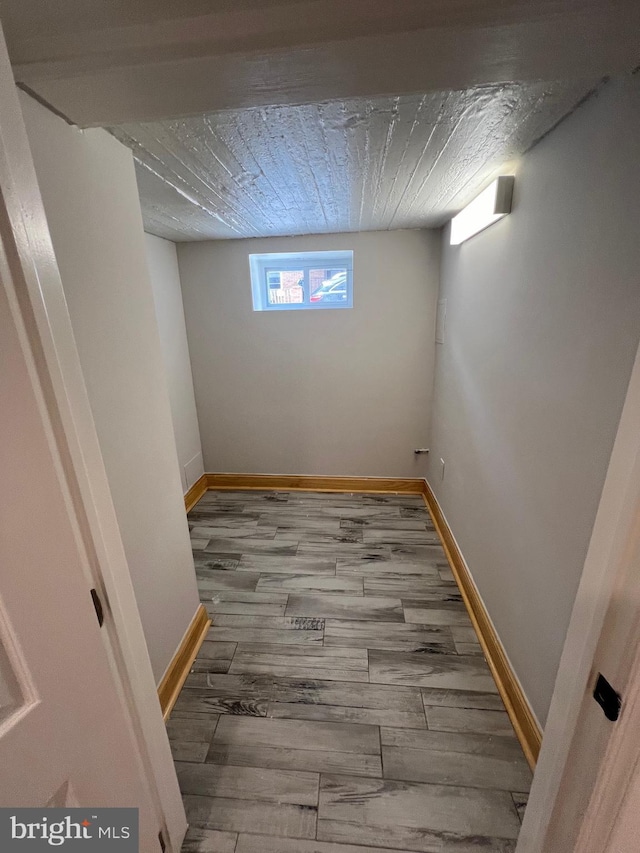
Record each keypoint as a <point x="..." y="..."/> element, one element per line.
<point x="261" y="265"/>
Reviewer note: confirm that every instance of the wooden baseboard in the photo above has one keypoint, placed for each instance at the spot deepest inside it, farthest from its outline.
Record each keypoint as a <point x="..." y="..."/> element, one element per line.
<point x="307" y="483"/>
<point x="518" y="708"/>
<point x="196" y="491"/>
<point x="178" y="670"/>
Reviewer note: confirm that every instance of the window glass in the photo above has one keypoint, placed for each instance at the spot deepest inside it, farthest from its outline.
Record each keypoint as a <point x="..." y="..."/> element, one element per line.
<point x="289" y="288"/>
<point x="328" y="285"/>
<point x="304" y="280"/>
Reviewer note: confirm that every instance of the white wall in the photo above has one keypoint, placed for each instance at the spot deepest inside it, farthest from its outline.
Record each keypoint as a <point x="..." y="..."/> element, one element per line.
<point x="333" y="392"/>
<point x="167" y="296"/>
<point x="543" y="322"/>
<point x="90" y="197"/>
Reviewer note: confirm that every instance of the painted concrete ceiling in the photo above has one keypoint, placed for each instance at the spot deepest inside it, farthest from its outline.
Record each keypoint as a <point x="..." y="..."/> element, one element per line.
<point x="349" y="165"/>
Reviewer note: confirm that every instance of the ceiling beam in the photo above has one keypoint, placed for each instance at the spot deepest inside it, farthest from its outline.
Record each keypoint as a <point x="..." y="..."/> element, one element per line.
<point x="110" y="70"/>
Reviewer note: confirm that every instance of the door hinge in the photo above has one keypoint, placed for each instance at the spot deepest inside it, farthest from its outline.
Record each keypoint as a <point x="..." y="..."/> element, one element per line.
<point x="98" y="606"/>
<point x="607" y="698"/>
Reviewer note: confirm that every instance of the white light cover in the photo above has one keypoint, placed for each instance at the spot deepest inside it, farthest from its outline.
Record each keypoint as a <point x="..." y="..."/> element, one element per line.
<point x="492" y="204"/>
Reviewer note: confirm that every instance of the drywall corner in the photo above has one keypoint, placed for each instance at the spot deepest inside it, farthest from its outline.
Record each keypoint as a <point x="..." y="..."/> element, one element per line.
<point x="167" y="294"/>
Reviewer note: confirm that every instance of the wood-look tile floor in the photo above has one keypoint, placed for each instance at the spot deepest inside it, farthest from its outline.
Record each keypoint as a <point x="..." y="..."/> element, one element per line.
<point x="341" y="702"/>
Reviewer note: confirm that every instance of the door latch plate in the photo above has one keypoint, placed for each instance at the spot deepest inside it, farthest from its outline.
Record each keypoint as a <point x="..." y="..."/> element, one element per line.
<point x="607" y="698"/>
<point x="98" y="606"/>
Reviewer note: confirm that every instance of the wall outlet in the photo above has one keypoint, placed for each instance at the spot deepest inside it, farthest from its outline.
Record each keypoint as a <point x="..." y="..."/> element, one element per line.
<point x="442" y="469"/>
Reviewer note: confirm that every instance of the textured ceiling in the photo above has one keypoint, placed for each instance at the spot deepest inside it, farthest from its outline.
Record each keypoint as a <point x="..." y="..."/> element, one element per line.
<point x="365" y="164"/>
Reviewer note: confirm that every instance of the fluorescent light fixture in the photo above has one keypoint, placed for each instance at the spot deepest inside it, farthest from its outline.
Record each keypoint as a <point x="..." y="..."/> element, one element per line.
<point x="492" y="204"/>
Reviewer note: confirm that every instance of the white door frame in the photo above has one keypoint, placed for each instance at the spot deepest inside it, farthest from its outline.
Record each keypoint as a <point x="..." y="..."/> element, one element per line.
<point x="34" y="289"/>
<point x="607" y="569"/>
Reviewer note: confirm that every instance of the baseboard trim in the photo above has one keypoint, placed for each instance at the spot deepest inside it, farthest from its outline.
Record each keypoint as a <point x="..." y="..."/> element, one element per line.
<point x="518" y="708"/>
<point x="196" y="491"/>
<point x="309" y="483"/>
<point x="178" y="670"/>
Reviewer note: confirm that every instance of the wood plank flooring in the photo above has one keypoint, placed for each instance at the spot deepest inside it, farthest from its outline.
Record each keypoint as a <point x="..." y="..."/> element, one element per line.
<point x="341" y="702"/>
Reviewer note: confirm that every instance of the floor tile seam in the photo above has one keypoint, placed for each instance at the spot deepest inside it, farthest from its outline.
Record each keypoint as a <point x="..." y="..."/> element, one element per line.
<point x="465" y="787"/>
<point x="202" y="825"/>
<point x="337" y="772"/>
<point x="219" y="744"/>
<point x="236" y="643"/>
<point x="256" y="767"/>
<point x="511" y="742"/>
<point x="449" y="784"/>
<point x="270" y="701"/>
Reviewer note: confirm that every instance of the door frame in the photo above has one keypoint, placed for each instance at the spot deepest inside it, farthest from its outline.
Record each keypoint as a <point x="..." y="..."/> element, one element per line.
<point x="36" y="297"/>
<point x="35" y="292"/>
<point x="607" y="572"/>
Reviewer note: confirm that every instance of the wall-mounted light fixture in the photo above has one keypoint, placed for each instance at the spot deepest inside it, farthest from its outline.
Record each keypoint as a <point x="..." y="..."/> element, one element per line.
<point x="492" y="204"/>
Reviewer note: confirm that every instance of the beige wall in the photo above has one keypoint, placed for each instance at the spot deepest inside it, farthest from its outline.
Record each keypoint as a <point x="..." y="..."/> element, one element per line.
<point x="335" y="392"/>
<point x="90" y="197"/>
<point x="167" y="296"/>
<point x="543" y="322"/>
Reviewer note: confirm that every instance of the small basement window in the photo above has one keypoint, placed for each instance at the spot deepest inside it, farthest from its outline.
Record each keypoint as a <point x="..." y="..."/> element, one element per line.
<point x="302" y="280"/>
